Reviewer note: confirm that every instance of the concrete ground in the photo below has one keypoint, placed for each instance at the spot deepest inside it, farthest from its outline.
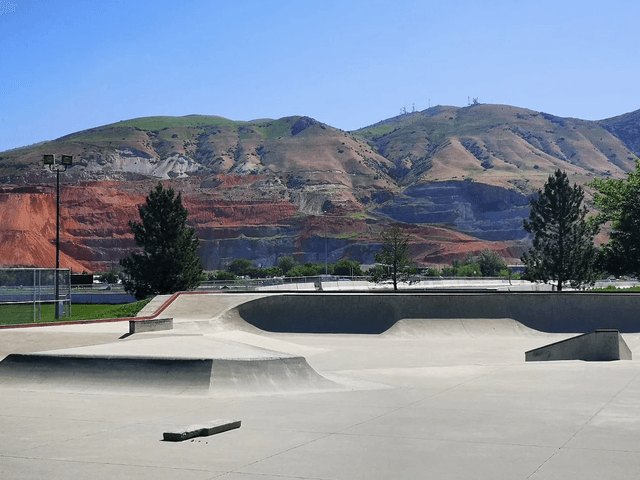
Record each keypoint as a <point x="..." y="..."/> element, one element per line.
<point x="452" y="402"/>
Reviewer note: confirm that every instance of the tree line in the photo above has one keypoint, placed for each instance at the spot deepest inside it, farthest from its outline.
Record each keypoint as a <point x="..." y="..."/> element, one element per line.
<point x="287" y="267"/>
<point x="485" y="264"/>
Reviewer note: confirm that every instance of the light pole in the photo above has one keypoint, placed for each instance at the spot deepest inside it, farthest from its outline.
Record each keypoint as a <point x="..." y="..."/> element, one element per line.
<point x="50" y="161"/>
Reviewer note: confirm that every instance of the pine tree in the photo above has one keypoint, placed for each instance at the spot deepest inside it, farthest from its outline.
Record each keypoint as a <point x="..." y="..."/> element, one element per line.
<point x="394" y="258"/>
<point x="562" y="247"/>
<point x="168" y="262"/>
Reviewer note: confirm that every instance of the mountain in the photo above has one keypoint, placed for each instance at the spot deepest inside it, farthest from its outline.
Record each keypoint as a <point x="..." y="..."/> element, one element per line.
<point x="627" y="128"/>
<point x="459" y="179"/>
<point x="503" y="146"/>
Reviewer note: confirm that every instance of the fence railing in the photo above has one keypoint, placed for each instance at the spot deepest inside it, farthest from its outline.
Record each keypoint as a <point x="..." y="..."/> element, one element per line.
<point x="29" y="294"/>
<point x="324" y="282"/>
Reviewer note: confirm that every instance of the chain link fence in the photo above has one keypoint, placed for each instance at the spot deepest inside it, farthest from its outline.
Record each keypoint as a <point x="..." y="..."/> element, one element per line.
<point x="28" y="295"/>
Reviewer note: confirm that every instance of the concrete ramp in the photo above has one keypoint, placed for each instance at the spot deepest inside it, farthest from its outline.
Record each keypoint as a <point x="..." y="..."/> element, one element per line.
<point x="210" y="312"/>
<point x="601" y="345"/>
<point x="224" y="322"/>
<point x="184" y="365"/>
<point x="459" y="327"/>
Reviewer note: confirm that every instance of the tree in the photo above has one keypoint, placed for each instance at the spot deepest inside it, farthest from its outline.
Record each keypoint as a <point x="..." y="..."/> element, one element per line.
<point x="469" y="270"/>
<point x="394" y="258"/>
<point x="562" y="247"/>
<point x="252" y="272"/>
<point x="307" y="270"/>
<point x="489" y="262"/>
<point x="270" y="272"/>
<point x="347" y="268"/>
<point x="108" y="277"/>
<point x="239" y="266"/>
<point x="286" y="264"/>
<point x="619" y="203"/>
<point x="431" y="272"/>
<point x="223" y="275"/>
<point x="168" y="262"/>
<point x="256" y="272"/>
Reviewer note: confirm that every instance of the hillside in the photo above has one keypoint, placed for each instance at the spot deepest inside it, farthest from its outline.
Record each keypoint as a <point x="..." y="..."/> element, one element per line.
<point x="459" y="178"/>
<point x="502" y="146"/>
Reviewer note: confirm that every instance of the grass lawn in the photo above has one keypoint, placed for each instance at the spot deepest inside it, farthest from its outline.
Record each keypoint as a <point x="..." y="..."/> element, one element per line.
<point x="14" y="314"/>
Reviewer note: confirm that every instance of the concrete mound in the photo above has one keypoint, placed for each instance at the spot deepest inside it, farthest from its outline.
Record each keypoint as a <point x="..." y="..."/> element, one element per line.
<point x="459" y="327"/>
<point x="601" y="345"/>
<point x="160" y="376"/>
<point x="186" y="368"/>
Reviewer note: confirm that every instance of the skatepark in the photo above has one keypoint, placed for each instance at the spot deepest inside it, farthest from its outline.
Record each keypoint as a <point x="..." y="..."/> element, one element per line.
<point x="326" y="386"/>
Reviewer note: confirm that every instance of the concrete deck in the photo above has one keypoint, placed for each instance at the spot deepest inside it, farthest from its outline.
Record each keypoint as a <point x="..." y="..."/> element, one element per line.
<point x="445" y="398"/>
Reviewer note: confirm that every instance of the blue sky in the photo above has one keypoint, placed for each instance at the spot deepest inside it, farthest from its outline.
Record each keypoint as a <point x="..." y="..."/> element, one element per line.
<point x="70" y="65"/>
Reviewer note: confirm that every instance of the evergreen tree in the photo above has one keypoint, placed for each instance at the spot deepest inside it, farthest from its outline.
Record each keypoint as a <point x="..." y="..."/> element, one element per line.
<point x="394" y="258"/>
<point x="562" y="247"/>
<point x="619" y="203"/>
<point x="168" y="262"/>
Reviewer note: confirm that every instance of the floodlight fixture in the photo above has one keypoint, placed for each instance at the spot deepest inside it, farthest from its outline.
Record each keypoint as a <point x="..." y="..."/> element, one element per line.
<point x="50" y="161"/>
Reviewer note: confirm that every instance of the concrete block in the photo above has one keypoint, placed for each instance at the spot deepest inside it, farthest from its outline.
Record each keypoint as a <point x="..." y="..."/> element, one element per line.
<point x="151" y="325"/>
<point x="601" y="345"/>
<point x="211" y="428"/>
